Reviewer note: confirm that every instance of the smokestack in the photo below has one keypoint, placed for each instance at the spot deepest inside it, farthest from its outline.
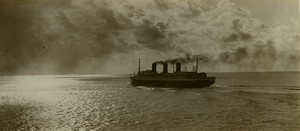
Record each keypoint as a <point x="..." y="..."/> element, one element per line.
<point x="173" y="67"/>
<point x="178" y="67"/>
<point x="139" y="69"/>
<point x="154" y="67"/>
<point x="165" y="68"/>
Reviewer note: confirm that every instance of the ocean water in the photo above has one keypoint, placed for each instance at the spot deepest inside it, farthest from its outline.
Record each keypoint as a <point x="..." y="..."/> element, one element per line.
<point x="237" y="101"/>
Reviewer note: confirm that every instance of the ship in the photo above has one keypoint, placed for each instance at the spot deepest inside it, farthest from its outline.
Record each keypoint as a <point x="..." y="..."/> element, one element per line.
<point x="175" y="79"/>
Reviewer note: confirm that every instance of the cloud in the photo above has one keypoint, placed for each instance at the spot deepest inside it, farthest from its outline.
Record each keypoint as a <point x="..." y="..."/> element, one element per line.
<point x="89" y="36"/>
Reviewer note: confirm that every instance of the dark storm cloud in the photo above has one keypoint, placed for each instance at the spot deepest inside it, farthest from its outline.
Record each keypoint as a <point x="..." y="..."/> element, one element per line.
<point x="234" y="57"/>
<point x="90" y="36"/>
<point x="84" y="41"/>
<point x="151" y="37"/>
<point x="194" y="8"/>
<point x="17" y="42"/>
<point x="57" y="4"/>
<point x="260" y="55"/>
<point x="266" y="51"/>
<point x="27" y="42"/>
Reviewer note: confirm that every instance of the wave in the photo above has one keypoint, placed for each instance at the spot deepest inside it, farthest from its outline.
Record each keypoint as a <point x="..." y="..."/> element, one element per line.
<point x="145" y="88"/>
<point x="157" y="89"/>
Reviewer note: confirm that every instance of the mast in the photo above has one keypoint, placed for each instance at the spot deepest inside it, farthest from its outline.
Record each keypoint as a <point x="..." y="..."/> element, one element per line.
<point x="197" y="65"/>
<point x="139" y="69"/>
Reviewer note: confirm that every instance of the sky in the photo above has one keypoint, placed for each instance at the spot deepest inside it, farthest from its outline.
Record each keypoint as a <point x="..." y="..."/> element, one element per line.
<point x="108" y="36"/>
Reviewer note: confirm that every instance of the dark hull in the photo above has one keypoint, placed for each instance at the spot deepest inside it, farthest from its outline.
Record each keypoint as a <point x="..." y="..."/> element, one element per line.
<point x="171" y="83"/>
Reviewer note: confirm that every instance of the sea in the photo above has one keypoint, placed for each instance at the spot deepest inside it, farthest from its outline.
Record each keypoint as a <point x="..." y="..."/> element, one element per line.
<point x="236" y="102"/>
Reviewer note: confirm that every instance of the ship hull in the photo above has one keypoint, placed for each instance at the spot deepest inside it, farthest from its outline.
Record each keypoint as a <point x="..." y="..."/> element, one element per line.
<point x="195" y="83"/>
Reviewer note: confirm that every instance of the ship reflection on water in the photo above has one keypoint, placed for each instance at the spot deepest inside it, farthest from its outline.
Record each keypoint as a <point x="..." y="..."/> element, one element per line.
<point x="237" y="101"/>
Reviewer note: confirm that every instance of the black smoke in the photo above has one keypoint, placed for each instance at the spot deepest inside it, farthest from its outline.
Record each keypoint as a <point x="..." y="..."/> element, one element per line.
<point x="187" y="59"/>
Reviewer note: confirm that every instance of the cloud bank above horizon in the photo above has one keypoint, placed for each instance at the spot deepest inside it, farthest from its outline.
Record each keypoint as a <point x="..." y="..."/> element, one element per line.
<point x="108" y="36"/>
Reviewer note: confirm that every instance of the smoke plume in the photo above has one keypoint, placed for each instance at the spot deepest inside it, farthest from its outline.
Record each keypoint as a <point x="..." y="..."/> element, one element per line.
<point x="187" y="59"/>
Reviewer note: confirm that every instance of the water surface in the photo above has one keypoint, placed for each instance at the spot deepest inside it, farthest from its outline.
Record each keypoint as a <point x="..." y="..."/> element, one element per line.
<point x="237" y="101"/>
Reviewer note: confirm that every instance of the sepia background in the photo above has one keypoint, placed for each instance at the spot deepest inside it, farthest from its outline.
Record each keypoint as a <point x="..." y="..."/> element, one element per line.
<point x="64" y="64"/>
